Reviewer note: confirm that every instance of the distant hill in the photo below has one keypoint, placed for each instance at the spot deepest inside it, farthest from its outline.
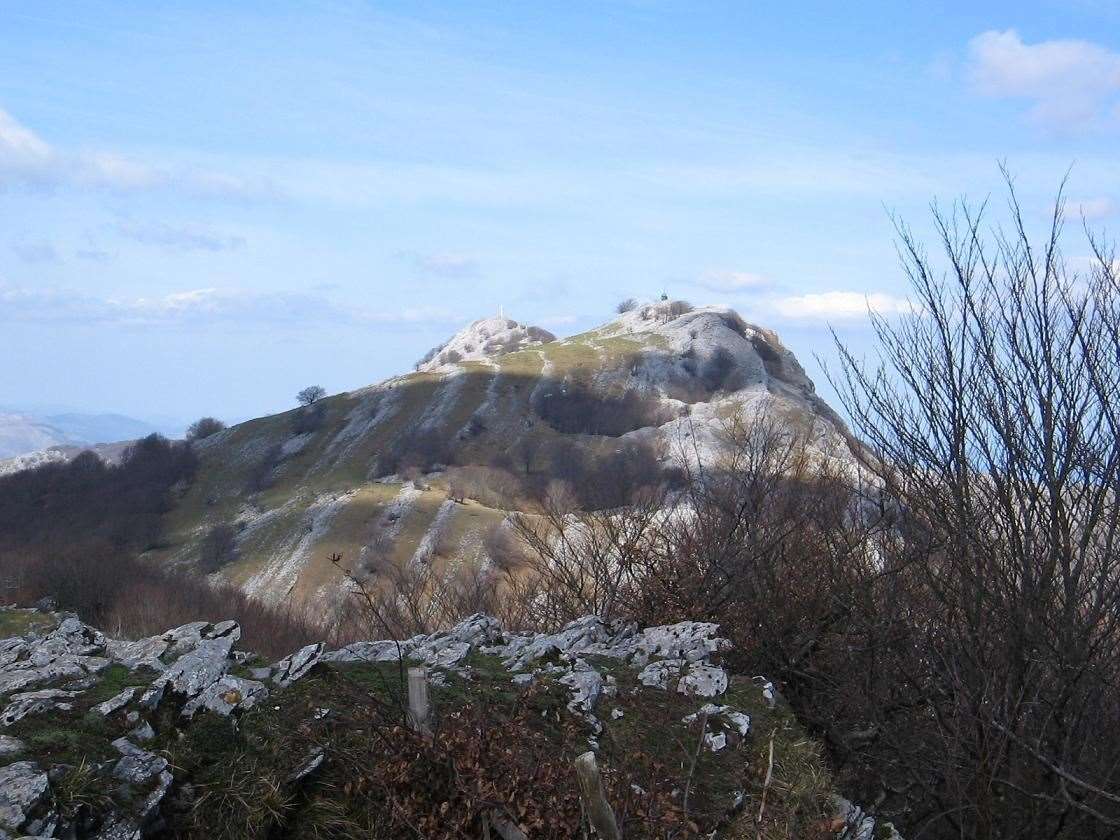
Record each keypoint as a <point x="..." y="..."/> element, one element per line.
<point x="24" y="432"/>
<point x="363" y="473"/>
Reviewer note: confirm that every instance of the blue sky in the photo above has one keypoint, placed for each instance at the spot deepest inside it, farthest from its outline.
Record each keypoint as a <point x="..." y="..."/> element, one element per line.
<point x="204" y="207"/>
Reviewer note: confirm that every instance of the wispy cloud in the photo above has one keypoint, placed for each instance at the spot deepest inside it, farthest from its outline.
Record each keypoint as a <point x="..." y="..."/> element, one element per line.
<point x="838" y="305"/>
<point x="35" y="252"/>
<point x="179" y="237"/>
<point x="1070" y="84"/>
<point x="1093" y="209"/>
<point x="29" y="161"/>
<point x="199" y="308"/>
<point x="442" y="264"/>
<point x="731" y="281"/>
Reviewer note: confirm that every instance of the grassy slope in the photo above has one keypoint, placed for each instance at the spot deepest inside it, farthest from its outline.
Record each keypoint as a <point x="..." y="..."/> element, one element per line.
<point x="329" y="464"/>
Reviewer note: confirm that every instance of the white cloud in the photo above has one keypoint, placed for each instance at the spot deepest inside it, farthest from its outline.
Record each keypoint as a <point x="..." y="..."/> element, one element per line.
<point x="839" y="305"/>
<point x="732" y="281"/>
<point x="29" y="161"/>
<point x="200" y="307"/>
<point x="36" y="252"/>
<point x="450" y="265"/>
<point x="1093" y="209"/>
<point x="1070" y="83"/>
<point x="179" y="238"/>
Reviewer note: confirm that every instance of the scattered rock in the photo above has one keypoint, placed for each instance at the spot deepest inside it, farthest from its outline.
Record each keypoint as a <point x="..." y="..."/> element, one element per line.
<point x="137" y="766"/>
<point x="658" y="674"/>
<point x="23" y="787"/>
<point x="225" y="695"/>
<point x="117" y="702"/>
<point x="291" y="668"/>
<point x="703" y="681"/>
<point x="195" y="671"/>
<point x="36" y="702"/>
<point x="10" y="746"/>
<point x="143" y="653"/>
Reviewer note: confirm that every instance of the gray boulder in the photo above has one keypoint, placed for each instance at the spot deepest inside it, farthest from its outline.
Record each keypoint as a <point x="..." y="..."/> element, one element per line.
<point x="291" y="668"/>
<point x="23" y="788"/>
<point x="36" y="702"/>
<point x="225" y="695"/>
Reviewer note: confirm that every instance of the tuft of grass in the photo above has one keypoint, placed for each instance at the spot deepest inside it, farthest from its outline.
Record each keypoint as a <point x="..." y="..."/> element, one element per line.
<point x="80" y="788"/>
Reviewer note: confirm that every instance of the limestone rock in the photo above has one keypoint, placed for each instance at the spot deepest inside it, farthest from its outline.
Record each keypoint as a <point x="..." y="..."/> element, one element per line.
<point x="225" y="695"/>
<point x="142" y="653"/>
<point x="36" y="702"/>
<point x="23" y="787"/>
<point x="137" y="766"/>
<point x="118" y="701"/>
<point x="291" y="668"/>
<point x="10" y="746"/>
<point x="703" y="681"/>
<point x="195" y="671"/>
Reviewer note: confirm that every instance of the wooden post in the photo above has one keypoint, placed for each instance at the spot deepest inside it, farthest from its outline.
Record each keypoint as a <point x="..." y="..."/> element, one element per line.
<point x="419" y="712"/>
<point x="591" y="787"/>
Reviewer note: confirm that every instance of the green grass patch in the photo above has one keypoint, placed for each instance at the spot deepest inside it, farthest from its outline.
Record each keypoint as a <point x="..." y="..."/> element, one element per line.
<point x="17" y="622"/>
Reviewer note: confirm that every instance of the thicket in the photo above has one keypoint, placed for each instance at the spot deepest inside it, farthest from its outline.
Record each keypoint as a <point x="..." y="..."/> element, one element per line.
<point x="73" y="532"/>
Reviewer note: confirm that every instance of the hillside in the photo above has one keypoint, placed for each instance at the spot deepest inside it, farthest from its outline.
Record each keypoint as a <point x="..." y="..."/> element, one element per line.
<point x="363" y="471"/>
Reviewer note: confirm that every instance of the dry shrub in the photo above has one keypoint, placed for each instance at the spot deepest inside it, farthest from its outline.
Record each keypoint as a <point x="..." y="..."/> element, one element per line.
<point x="130" y="598"/>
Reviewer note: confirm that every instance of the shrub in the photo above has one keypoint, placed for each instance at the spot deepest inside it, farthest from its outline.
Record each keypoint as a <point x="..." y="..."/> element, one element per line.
<point x="627" y="305"/>
<point x="717" y="369"/>
<point x="679" y="307"/>
<point x="204" y="427"/>
<point x="308" y="419"/>
<point x="574" y="409"/>
<point x="218" y="549"/>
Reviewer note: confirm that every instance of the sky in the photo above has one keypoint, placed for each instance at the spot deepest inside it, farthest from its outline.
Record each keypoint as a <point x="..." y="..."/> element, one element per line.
<point x="207" y="206"/>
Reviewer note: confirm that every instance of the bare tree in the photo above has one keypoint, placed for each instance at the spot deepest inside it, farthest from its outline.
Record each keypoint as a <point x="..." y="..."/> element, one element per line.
<point x="626" y="305"/>
<point x="585" y="559"/>
<point x="992" y="423"/>
<point x="311" y="394"/>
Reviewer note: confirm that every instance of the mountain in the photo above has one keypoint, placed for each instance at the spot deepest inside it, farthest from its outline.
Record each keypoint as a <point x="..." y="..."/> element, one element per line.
<point x="362" y="474"/>
<point x="23" y="432"/>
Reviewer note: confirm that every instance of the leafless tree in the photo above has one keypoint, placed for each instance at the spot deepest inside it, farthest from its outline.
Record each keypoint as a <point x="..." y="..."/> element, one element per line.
<point x="585" y="559"/>
<point x="992" y="423"/>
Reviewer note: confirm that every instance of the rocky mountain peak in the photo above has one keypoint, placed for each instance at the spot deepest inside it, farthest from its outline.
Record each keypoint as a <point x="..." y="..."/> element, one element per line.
<point x="484" y="339"/>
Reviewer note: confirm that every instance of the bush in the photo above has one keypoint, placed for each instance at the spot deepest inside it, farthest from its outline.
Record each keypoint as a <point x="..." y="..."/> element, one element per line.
<point x="679" y="307"/>
<point x="204" y="427"/>
<point x="627" y="305"/>
<point x="717" y="369"/>
<point x="308" y="419"/>
<point x="573" y="409"/>
<point x="262" y="473"/>
<point x="218" y="549"/>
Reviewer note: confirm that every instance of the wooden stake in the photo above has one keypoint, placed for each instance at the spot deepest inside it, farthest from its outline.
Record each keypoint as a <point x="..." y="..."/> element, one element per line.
<point x="419" y="711"/>
<point x="598" y="809"/>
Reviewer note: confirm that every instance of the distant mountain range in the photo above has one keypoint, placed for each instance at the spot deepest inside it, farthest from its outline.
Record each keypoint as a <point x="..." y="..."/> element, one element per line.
<point x="23" y="431"/>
